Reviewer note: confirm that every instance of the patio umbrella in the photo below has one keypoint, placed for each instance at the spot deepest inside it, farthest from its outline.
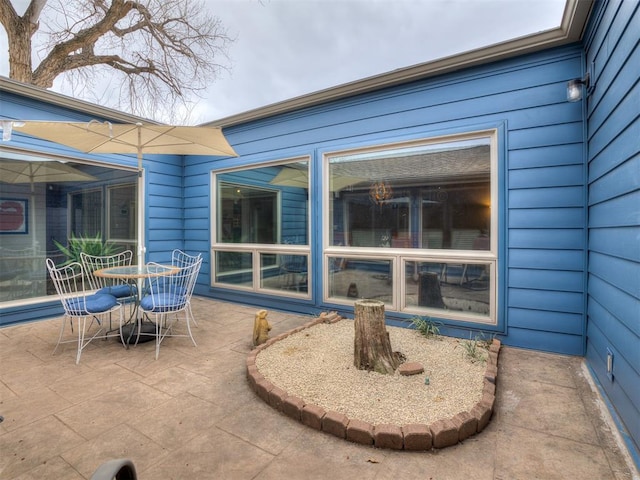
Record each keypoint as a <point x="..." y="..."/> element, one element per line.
<point x="138" y="138"/>
<point x="299" y="177"/>
<point x="39" y="171"/>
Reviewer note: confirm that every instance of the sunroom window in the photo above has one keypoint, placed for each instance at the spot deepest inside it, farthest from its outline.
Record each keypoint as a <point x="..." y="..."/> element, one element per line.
<point x="261" y="228"/>
<point x="46" y="199"/>
<point x="413" y="225"/>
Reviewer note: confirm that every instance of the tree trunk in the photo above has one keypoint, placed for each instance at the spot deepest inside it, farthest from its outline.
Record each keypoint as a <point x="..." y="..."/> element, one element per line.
<point x="19" y="40"/>
<point x="372" y="348"/>
<point x="429" y="294"/>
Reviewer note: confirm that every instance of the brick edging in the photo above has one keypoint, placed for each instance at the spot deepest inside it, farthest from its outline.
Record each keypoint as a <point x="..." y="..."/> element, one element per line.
<point x="421" y="437"/>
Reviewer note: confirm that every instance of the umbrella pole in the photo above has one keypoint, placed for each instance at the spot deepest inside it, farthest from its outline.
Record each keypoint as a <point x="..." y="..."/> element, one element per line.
<point x="141" y="244"/>
<point x="141" y="240"/>
<point x="31" y="213"/>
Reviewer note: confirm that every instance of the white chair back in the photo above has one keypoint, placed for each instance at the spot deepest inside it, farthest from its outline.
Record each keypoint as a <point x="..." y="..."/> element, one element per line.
<point x="87" y="309"/>
<point x="170" y="295"/>
<point x="91" y="263"/>
<point x="182" y="259"/>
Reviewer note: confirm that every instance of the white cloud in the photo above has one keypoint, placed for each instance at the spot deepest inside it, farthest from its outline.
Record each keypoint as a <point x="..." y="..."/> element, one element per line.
<point x="286" y="48"/>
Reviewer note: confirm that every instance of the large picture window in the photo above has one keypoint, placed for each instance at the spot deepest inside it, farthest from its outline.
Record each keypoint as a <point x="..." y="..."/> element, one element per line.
<point x="261" y="228"/>
<point x="424" y="210"/>
<point x="57" y="197"/>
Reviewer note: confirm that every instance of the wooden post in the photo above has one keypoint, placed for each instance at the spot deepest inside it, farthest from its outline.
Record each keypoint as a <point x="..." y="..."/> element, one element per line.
<point x="372" y="347"/>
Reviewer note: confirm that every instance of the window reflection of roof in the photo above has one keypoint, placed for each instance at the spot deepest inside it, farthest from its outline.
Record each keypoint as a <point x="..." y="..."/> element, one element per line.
<point x="467" y="162"/>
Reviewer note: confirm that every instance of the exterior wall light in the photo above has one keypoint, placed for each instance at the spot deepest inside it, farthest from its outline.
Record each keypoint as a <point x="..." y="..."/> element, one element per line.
<point x="574" y="88"/>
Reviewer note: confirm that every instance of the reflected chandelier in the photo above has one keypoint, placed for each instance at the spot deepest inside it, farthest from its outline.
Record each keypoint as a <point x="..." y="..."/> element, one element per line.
<point x="380" y="192"/>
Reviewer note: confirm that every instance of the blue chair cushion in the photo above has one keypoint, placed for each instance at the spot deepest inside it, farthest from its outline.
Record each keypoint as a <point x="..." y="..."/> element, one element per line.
<point x="163" y="302"/>
<point x="119" y="291"/>
<point x="97" y="303"/>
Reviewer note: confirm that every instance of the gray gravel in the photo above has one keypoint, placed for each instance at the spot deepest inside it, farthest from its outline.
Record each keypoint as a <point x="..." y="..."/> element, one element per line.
<point x="317" y="366"/>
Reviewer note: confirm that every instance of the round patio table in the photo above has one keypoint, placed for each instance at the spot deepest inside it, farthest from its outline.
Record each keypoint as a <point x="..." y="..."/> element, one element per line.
<point x="135" y="274"/>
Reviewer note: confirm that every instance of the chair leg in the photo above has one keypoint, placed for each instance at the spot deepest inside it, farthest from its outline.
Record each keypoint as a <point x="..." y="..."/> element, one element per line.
<point x="189" y="327"/>
<point x="159" y="319"/>
<point x="81" y="338"/>
<point x="125" y="345"/>
<point x="190" y="313"/>
<point x="64" y="322"/>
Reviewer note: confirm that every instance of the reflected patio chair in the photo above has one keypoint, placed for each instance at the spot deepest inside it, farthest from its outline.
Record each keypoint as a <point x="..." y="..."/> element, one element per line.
<point x="20" y="273"/>
<point x="182" y="259"/>
<point x="170" y="295"/>
<point x="123" y="291"/>
<point x="81" y="306"/>
<point x="293" y="272"/>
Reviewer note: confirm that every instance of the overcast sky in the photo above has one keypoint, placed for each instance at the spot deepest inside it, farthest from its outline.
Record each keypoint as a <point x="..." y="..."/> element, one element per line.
<point x="287" y="48"/>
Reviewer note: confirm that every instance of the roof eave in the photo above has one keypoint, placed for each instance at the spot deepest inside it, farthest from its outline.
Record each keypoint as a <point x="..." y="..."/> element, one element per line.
<point x="571" y="29"/>
<point x="58" y="99"/>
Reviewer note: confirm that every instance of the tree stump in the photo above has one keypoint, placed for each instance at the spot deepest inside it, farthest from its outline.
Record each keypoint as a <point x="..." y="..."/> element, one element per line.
<point x="429" y="294"/>
<point x="372" y="347"/>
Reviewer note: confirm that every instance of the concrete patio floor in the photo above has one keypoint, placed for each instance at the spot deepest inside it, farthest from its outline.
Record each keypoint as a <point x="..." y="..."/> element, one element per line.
<point x="192" y="415"/>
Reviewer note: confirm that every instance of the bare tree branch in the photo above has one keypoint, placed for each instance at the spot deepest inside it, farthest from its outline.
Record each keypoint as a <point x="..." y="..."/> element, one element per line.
<point x="159" y="52"/>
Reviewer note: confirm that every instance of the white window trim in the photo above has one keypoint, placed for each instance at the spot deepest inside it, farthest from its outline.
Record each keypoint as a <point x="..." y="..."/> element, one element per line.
<point x="399" y="257"/>
<point x="258" y="249"/>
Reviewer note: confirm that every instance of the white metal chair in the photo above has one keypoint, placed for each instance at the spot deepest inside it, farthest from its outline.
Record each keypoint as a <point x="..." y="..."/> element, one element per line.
<point x="169" y="296"/>
<point x="123" y="291"/>
<point x="182" y="259"/>
<point x="79" y="305"/>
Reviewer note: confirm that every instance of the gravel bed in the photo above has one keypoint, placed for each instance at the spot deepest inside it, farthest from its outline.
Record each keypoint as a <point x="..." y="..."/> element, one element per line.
<point x="316" y="365"/>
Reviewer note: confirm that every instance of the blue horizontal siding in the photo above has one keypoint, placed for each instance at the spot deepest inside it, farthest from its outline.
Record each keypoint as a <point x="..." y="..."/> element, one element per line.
<point x="624" y="389"/>
<point x="545" y="341"/>
<point x="558" y="260"/>
<point x="564" y="133"/>
<point x="616" y="212"/>
<point x="174" y="234"/>
<point x="198" y="190"/>
<point x="623" y="306"/>
<point x="619" y="242"/>
<point x="612" y="52"/>
<point x="622" y="147"/>
<point x="570" y="175"/>
<point x="547" y="156"/>
<point x="546" y="300"/>
<point x="558" y="280"/>
<point x="547" y="197"/>
<point x="196" y="210"/>
<point x="557" y="322"/>
<point x="613" y="130"/>
<point x="625" y="109"/>
<point x="619" y="272"/>
<point x="553" y="239"/>
<point x="625" y="178"/>
<point x="546" y="218"/>
<point x="614" y="333"/>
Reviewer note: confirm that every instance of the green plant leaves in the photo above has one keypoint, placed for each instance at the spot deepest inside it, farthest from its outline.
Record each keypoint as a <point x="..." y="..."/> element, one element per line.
<point x="89" y="245"/>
